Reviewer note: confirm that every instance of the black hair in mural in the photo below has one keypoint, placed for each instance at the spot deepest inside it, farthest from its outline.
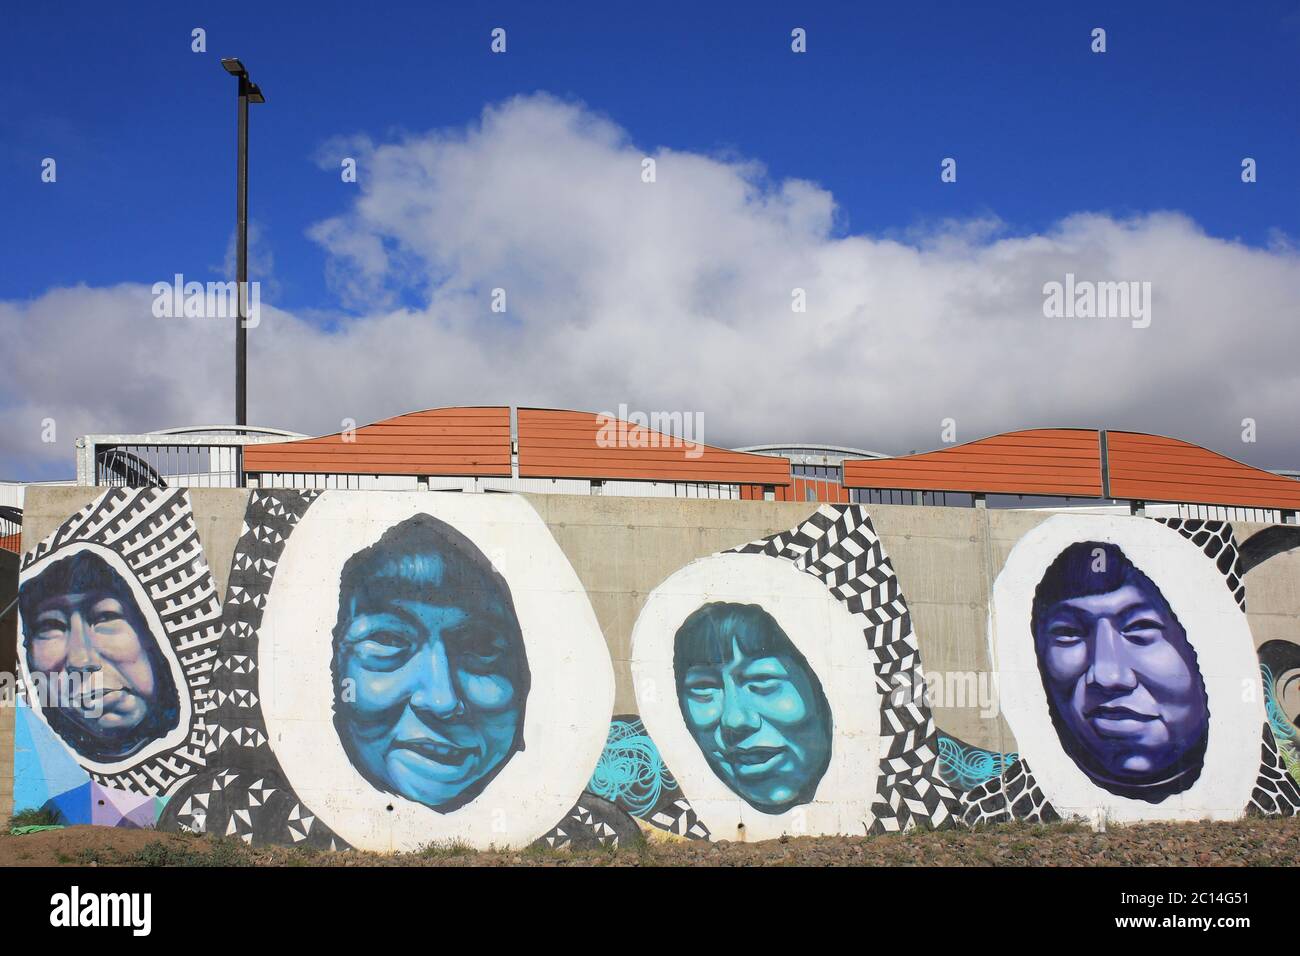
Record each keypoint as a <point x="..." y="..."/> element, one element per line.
<point x="753" y="705"/>
<point x="430" y="673"/>
<point x="81" y="618"/>
<point x="1124" y="689"/>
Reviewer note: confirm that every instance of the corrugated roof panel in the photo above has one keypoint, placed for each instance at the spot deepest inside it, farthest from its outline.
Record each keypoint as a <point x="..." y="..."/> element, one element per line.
<point x="556" y="443"/>
<point x="441" y="441"/>
<point x="1041" y="461"/>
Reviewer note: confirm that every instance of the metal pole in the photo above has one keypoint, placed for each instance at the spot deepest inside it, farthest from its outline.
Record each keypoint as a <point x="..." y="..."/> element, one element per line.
<point x="241" y="263"/>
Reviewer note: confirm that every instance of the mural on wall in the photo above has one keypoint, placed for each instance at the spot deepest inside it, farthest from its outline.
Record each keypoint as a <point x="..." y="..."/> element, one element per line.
<point x="390" y="670"/>
<point x="764" y="675"/>
<point x="1128" y="677"/>
<point x="117" y="605"/>
<point x="632" y="775"/>
<point x="454" y="685"/>
<point x="965" y="766"/>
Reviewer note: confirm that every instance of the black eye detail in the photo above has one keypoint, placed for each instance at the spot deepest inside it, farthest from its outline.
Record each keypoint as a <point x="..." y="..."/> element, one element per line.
<point x="1144" y="624"/>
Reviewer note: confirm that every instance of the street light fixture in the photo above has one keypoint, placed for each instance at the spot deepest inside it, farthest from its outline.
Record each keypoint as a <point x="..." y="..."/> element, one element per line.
<point x="249" y="92"/>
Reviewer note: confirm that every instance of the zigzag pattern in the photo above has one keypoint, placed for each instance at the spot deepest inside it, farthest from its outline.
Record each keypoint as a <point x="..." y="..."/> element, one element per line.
<point x="839" y="546"/>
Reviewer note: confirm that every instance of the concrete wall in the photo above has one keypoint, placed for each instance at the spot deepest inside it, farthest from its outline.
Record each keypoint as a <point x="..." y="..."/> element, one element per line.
<point x="319" y="696"/>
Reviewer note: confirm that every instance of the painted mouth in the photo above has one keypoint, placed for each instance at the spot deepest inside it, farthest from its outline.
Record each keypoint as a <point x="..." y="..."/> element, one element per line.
<point x="98" y="699"/>
<point x="754" y="760"/>
<point x="437" y="751"/>
<point x="1110" y="712"/>
<point x="1111" y="721"/>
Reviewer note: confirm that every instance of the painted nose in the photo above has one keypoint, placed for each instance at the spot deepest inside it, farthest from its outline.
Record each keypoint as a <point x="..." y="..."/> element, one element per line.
<point x="738" y="720"/>
<point x="436" y="692"/>
<point x="82" y="655"/>
<point x="1110" y="667"/>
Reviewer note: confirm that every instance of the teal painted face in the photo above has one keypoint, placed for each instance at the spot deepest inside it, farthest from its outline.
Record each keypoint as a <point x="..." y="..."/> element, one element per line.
<point x="753" y="706"/>
<point x="430" y="673"/>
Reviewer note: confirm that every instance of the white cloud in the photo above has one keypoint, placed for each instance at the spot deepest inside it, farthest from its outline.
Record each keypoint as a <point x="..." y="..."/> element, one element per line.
<point x="676" y="295"/>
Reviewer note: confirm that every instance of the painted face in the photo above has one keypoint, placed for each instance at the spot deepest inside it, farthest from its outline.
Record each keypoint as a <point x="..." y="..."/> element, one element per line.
<point x="91" y="636"/>
<point x="1123" y="684"/>
<point x="760" y="725"/>
<point x="429" y="693"/>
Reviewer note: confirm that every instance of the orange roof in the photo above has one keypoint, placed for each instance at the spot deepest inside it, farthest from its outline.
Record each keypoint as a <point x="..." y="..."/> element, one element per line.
<point x="440" y="441"/>
<point x="565" y="444"/>
<point x="1155" y="468"/>
<point x="1040" y="461"/>
<point x="1067" y="462"/>
<point x="10" y="542"/>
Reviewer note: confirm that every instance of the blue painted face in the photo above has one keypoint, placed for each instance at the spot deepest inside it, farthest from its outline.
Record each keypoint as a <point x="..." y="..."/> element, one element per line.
<point x="1125" y="691"/>
<point x="759" y="716"/>
<point x="430" y="679"/>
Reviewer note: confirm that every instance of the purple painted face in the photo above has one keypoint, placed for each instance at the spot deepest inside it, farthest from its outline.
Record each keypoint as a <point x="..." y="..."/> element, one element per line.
<point x="1125" y="692"/>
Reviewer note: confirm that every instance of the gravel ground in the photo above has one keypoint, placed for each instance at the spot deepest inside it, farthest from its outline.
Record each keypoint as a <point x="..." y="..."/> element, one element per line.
<point x="1253" y="842"/>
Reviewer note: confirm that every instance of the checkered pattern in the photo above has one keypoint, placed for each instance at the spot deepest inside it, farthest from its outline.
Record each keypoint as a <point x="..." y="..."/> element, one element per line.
<point x="153" y="530"/>
<point x="838" y="545"/>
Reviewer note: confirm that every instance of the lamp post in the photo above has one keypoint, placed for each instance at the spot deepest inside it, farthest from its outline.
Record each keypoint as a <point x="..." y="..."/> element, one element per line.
<point x="249" y="92"/>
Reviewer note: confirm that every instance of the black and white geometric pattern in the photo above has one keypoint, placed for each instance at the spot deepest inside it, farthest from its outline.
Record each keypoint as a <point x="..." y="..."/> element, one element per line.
<point x="245" y="793"/>
<point x="838" y="545"/>
<point x="153" y="530"/>
<point x="1275" y="793"/>
<point x="1013" y="796"/>
<point x="678" y="818"/>
<point x="593" y="822"/>
<point x="256" y="807"/>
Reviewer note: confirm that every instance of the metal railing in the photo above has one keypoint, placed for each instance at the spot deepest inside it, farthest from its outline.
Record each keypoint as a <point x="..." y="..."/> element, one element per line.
<point x="209" y="456"/>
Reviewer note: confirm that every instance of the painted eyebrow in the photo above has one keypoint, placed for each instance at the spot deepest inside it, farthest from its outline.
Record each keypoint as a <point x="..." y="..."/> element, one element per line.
<point x="403" y="615"/>
<point x="1142" y="608"/>
<point x="766" y="667"/>
<point x="703" y="671"/>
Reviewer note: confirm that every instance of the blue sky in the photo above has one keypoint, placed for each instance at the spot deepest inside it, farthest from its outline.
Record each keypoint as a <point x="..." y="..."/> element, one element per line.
<point x="142" y="129"/>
